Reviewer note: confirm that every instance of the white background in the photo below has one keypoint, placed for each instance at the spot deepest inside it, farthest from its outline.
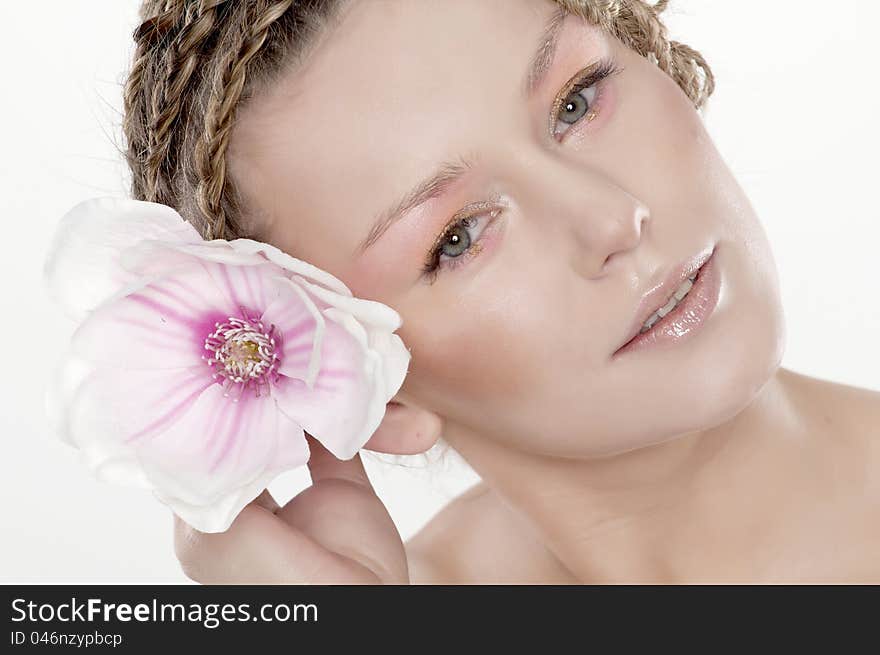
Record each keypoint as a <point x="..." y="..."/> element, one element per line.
<point x="795" y="114"/>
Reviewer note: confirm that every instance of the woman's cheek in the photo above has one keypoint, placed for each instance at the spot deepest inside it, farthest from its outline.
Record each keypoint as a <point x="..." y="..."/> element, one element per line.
<point x="465" y="352"/>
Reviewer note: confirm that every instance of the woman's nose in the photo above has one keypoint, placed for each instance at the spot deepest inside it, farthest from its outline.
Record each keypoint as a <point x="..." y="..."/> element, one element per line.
<point x="597" y="221"/>
<point x="611" y="227"/>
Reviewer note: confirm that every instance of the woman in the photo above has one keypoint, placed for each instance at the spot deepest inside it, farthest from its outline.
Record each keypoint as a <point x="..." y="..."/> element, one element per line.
<point x="590" y="300"/>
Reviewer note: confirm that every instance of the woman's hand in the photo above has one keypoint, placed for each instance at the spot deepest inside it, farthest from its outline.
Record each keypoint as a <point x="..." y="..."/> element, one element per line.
<point x="336" y="531"/>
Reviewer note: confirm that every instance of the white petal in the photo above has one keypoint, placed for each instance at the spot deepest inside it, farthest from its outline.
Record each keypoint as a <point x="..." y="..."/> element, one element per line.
<point x="64" y="380"/>
<point x="161" y="257"/>
<point x="219" y="515"/>
<point x="238" y="252"/>
<point x="367" y="312"/>
<point x="125" y="470"/>
<point x="395" y="359"/>
<point x="298" y="266"/>
<point x="82" y="265"/>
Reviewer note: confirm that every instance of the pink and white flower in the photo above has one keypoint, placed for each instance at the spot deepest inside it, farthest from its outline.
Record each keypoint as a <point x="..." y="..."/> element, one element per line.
<point x="197" y="364"/>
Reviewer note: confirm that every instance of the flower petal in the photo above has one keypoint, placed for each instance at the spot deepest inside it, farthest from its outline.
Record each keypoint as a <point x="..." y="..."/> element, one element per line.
<point x="367" y="312"/>
<point x="298" y="266"/>
<point x="82" y="265"/>
<point x="348" y="400"/>
<point x="109" y="462"/>
<point x="220" y="446"/>
<point x="162" y="324"/>
<point x="64" y="379"/>
<point x="301" y="328"/>
<point x="250" y="287"/>
<point x="113" y="410"/>
<point x="395" y="358"/>
<point x="293" y="452"/>
<point x="150" y="258"/>
<point x="238" y="252"/>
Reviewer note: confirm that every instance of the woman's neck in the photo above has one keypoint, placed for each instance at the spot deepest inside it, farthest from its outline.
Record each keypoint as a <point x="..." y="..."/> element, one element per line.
<point x="717" y="504"/>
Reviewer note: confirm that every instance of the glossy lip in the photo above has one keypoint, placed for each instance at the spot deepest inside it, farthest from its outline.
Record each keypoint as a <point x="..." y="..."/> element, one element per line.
<point x="659" y="295"/>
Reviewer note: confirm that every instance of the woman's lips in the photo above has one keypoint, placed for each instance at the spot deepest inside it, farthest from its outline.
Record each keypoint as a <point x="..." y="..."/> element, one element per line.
<point x="688" y="315"/>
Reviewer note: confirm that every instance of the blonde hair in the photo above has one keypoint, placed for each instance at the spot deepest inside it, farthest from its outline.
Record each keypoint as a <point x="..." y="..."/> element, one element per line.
<point x="197" y="61"/>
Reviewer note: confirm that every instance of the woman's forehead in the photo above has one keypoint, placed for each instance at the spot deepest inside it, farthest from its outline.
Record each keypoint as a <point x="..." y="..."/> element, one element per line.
<point x="389" y="57"/>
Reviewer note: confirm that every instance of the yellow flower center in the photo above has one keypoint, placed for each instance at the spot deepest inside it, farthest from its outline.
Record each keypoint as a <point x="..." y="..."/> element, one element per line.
<point x="241" y="352"/>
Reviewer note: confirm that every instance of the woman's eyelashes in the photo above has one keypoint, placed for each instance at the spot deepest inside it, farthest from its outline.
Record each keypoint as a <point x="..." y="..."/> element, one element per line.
<point x="459" y="241"/>
<point x="580" y="99"/>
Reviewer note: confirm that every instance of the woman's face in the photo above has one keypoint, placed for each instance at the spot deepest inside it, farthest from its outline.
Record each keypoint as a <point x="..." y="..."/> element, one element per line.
<point x="575" y="218"/>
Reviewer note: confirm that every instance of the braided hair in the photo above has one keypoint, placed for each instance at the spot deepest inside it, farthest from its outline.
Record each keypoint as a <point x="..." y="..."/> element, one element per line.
<point x="197" y="61"/>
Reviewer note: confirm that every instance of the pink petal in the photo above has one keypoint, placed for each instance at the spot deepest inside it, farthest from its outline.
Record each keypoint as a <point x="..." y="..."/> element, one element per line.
<point x="301" y="328"/>
<point x="292" y="452"/>
<point x="347" y="402"/>
<point x="250" y="287"/>
<point x="161" y="325"/>
<point x="112" y="410"/>
<point x="220" y="446"/>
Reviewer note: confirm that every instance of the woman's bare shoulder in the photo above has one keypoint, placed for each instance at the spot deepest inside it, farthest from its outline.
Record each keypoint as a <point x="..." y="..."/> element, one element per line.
<point x="847" y="411"/>
<point x="428" y="564"/>
<point x="849" y="417"/>
<point x="475" y="540"/>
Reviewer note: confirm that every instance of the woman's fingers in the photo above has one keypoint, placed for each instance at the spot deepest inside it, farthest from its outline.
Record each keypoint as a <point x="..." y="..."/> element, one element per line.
<point x="266" y="500"/>
<point x="324" y="465"/>
<point x="342" y="512"/>
<point x="259" y="548"/>
<point x="336" y="531"/>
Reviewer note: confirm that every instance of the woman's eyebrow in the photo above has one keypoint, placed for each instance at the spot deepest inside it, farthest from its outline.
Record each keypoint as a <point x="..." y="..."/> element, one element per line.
<point x="544" y="55"/>
<point x="448" y="173"/>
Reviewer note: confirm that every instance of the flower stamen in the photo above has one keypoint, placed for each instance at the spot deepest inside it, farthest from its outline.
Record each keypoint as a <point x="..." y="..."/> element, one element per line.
<point x="244" y="354"/>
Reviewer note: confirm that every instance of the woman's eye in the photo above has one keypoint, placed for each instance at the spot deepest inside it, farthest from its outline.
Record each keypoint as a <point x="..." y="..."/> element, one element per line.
<point x="458" y="243"/>
<point x="576" y="105"/>
<point x="458" y="240"/>
<point x="583" y="97"/>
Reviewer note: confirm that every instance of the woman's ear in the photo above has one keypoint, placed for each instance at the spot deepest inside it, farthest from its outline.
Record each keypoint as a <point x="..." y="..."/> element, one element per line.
<point x="406" y="429"/>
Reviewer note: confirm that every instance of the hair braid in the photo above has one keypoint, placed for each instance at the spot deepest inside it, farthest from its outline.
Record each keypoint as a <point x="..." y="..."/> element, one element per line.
<point x="136" y="122"/>
<point x="195" y="23"/>
<point x="169" y="41"/>
<point x="638" y="26"/>
<point x="227" y="86"/>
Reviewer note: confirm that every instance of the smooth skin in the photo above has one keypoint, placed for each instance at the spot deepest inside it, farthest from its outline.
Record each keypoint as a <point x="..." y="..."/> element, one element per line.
<point x="702" y="461"/>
